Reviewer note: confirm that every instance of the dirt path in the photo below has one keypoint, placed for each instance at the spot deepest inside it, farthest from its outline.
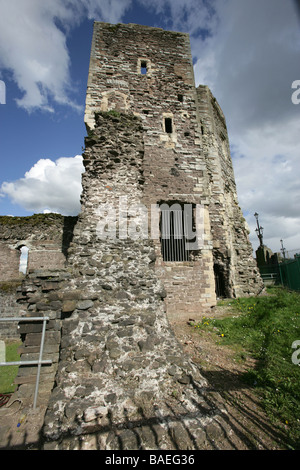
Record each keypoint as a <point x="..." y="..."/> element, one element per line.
<point x="251" y="427"/>
<point x="20" y="426"/>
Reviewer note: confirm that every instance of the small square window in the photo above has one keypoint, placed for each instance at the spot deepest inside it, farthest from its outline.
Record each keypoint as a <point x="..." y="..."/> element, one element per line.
<point x="143" y="67"/>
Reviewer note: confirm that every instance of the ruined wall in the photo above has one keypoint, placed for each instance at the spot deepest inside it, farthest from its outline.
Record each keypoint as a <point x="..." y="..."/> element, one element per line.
<point x="148" y="72"/>
<point x="8" y="309"/>
<point x="47" y="236"/>
<point x="123" y="381"/>
<point x="42" y="293"/>
<point x="235" y="269"/>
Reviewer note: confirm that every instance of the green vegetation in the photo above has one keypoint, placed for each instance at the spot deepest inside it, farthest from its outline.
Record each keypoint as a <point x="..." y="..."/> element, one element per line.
<point x="33" y="220"/>
<point x="8" y="373"/>
<point x="265" y="328"/>
<point x="114" y="113"/>
<point x="9" y="286"/>
<point x="113" y="27"/>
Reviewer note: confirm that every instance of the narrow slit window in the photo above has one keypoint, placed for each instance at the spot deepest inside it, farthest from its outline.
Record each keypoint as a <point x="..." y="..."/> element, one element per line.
<point x="168" y="125"/>
<point x="143" y="67"/>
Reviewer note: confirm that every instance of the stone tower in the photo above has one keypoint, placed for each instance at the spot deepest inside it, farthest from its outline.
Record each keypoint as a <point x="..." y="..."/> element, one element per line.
<point x="159" y="232"/>
<point x="185" y="161"/>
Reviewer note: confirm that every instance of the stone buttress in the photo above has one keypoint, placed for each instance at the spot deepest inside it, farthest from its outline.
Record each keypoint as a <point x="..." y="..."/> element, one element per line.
<point x="123" y="381"/>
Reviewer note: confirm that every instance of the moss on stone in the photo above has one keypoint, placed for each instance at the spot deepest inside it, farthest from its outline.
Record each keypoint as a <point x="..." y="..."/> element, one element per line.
<point x="33" y="220"/>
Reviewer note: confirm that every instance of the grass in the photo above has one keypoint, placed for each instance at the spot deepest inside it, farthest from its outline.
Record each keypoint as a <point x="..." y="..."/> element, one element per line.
<point x="265" y="328"/>
<point x="8" y="373"/>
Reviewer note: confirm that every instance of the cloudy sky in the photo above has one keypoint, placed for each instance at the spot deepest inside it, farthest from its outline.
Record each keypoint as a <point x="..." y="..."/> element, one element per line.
<point x="246" y="51"/>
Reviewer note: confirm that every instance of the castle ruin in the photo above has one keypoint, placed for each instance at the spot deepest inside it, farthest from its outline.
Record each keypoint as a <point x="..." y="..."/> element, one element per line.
<point x="123" y="271"/>
<point x="184" y="160"/>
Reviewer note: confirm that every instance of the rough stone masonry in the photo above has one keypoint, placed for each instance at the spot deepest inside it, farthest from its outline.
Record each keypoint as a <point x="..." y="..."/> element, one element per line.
<point x="120" y="379"/>
<point x="148" y="73"/>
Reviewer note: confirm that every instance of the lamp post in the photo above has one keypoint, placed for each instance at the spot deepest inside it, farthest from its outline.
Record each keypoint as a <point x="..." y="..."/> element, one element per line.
<point x="259" y="230"/>
<point x="282" y="248"/>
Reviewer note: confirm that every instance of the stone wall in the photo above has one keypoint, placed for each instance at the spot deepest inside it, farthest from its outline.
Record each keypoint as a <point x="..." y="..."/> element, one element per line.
<point x="123" y="381"/>
<point x="47" y="236"/>
<point x="235" y="268"/>
<point x="149" y="72"/>
<point x="119" y="378"/>
<point x="9" y="308"/>
<point x="43" y="293"/>
<point x="174" y="167"/>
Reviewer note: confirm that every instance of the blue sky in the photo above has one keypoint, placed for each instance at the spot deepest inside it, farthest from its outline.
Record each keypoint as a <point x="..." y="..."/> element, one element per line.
<point x="246" y="51"/>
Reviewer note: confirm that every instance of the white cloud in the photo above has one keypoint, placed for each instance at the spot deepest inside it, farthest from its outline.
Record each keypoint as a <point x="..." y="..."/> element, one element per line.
<point x="185" y="15"/>
<point x="49" y="186"/>
<point x="250" y="61"/>
<point x="110" y="11"/>
<point x="33" y="48"/>
<point x="248" y="54"/>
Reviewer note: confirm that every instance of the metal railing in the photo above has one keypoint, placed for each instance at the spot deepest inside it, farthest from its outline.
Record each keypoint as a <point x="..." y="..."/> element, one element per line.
<point x="38" y="362"/>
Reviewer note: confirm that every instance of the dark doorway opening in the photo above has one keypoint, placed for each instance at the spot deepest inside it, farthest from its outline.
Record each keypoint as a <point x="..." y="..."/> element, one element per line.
<point x="219" y="281"/>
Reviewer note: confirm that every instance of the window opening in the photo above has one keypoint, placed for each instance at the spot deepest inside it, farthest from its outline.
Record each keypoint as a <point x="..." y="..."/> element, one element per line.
<point x="143" y="67"/>
<point x="177" y="231"/>
<point x="168" y="125"/>
<point x="180" y="98"/>
<point x="220" y="286"/>
<point x="23" y="259"/>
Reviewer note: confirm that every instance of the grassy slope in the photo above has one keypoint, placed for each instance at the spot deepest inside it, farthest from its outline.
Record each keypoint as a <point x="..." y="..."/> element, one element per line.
<point x="266" y="328"/>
